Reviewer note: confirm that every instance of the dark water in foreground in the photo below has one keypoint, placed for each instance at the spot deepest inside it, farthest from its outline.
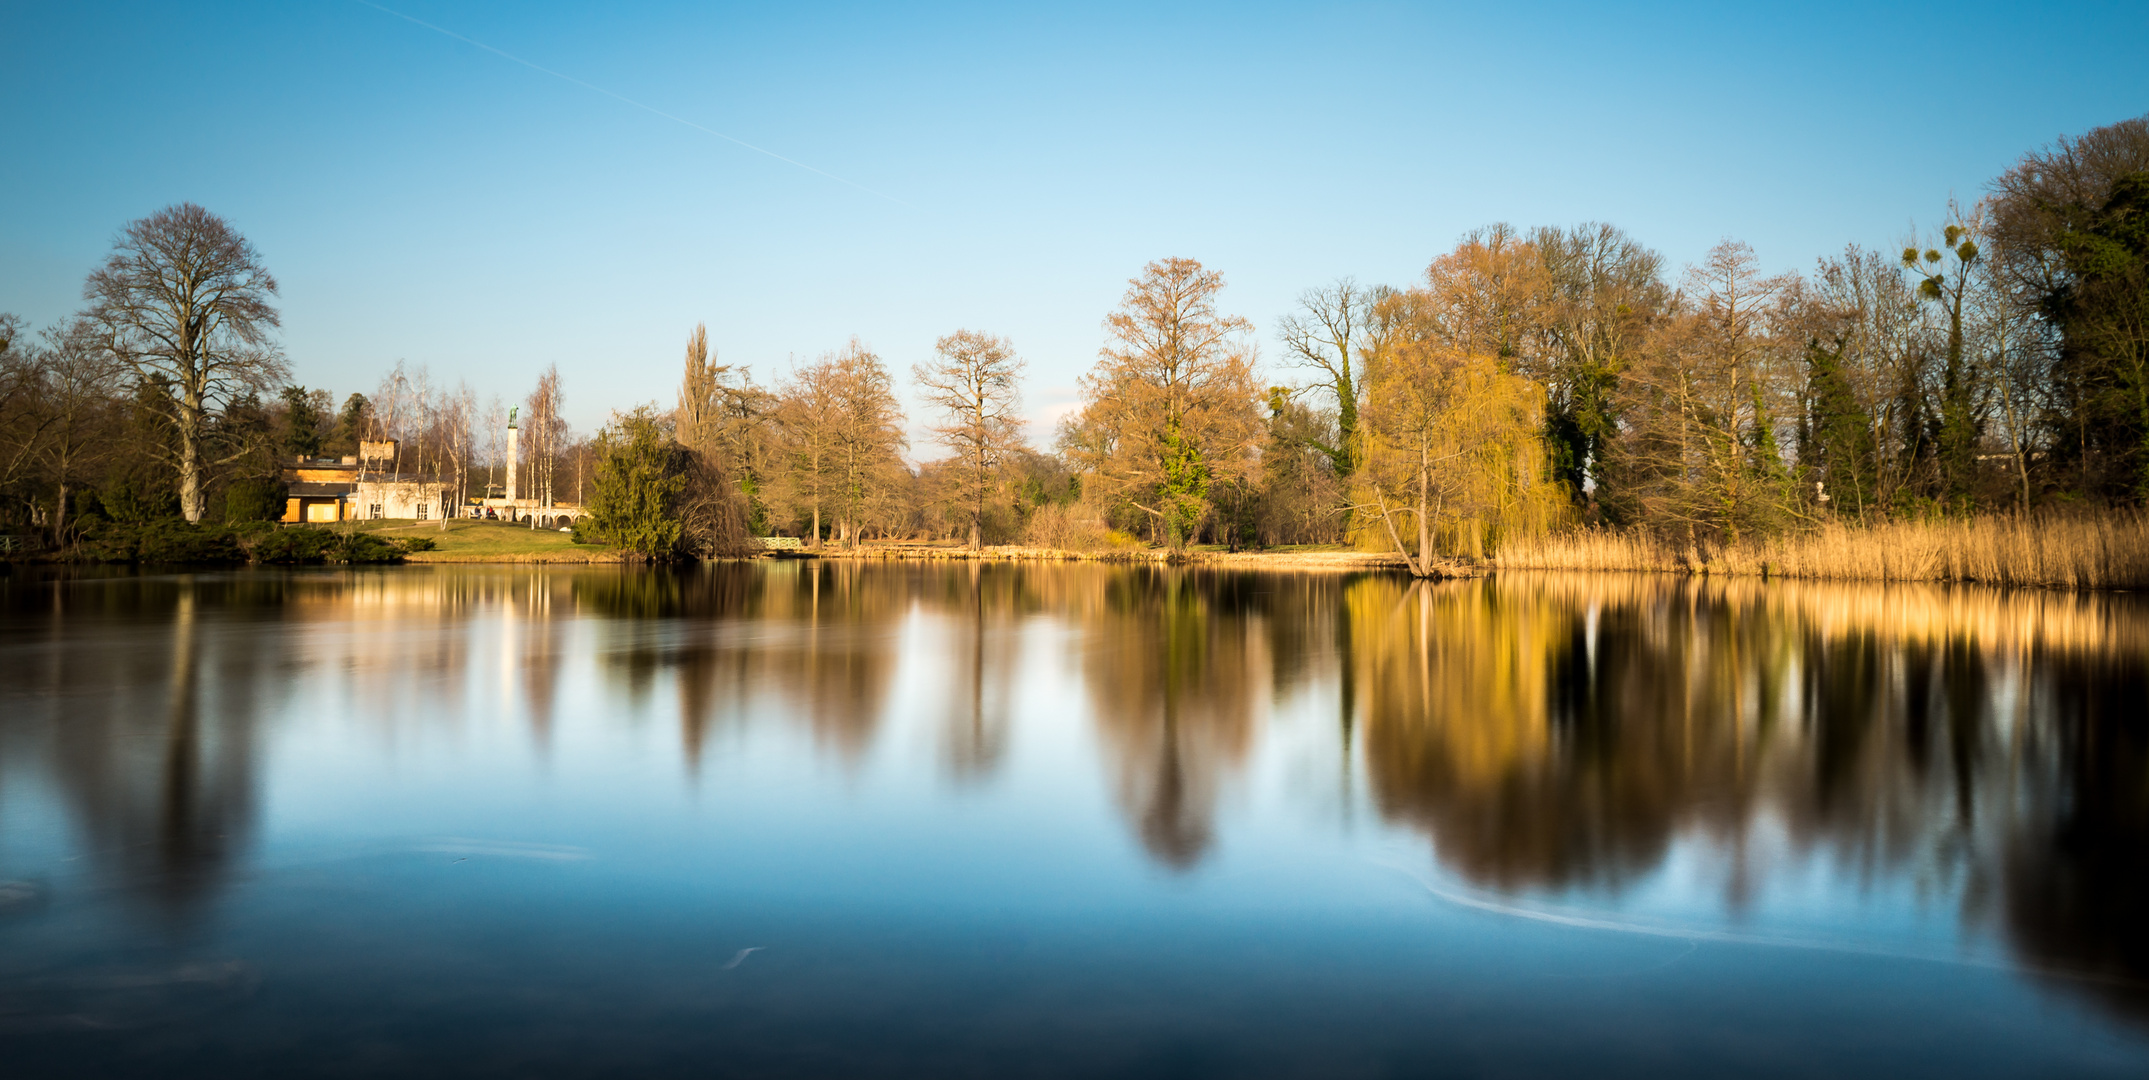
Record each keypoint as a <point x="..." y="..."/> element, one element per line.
<point x="854" y="820"/>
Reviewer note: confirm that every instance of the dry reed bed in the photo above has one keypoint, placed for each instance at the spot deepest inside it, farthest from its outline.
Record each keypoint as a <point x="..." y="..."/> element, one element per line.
<point x="2105" y="552"/>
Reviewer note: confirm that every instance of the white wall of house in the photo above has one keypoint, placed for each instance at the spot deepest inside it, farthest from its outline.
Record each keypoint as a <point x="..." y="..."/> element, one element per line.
<point x="417" y="500"/>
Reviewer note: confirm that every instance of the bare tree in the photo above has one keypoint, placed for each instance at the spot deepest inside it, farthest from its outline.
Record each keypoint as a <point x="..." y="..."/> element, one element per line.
<point x="459" y="419"/>
<point x="841" y="429"/>
<point x="184" y="300"/>
<point x="868" y="434"/>
<point x="545" y="430"/>
<point x="495" y="443"/>
<point x="1951" y="293"/>
<point x="1492" y="296"/>
<point x="391" y="411"/>
<point x="725" y="418"/>
<point x="808" y="415"/>
<point x="23" y="420"/>
<point x="80" y="379"/>
<point x="701" y="395"/>
<point x="1170" y="406"/>
<point x="425" y="425"/>
<point x="1322" y="337"/>
<point x="1706" y="404"/>
<point x="974" y="381"/>
<point x="2016" y="366"/>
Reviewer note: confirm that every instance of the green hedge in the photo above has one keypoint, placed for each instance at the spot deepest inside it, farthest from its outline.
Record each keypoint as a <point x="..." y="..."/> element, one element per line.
<point x="172" y="540"/>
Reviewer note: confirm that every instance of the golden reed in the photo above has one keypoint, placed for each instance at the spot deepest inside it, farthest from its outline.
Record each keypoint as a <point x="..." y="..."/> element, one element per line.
<point x="2104" y="551"/>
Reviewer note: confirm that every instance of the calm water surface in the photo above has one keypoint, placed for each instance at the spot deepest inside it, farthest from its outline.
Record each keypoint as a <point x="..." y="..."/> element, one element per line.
<point x="861" y="820"/>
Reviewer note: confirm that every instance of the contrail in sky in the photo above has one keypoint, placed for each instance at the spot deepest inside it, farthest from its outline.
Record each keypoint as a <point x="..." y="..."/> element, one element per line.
<point x="630" y="101"/>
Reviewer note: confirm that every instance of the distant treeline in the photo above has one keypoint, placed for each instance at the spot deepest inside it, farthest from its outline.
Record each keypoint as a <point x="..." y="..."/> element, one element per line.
<point x="1532" y="379"/>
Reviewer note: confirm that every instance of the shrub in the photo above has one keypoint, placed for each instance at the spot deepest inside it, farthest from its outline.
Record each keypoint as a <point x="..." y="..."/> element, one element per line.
<point x="126" y="502"/>
<point x="292" y="546"/>
<point x="253" y="500"/>
<point x="365" y="547"/>
<point x="174" y="541"/>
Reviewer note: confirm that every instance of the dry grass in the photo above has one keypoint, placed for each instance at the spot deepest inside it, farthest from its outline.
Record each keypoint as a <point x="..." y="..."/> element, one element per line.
<point x="2107" y="551"/>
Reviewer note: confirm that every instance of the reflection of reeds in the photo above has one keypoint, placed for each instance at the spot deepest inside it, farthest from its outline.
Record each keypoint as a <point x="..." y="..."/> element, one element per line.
<point x="2010" y="621"/>
<point x="1555" y="730"/>
<point x="2107" y="551"/>
<point x="1561" y="728"/>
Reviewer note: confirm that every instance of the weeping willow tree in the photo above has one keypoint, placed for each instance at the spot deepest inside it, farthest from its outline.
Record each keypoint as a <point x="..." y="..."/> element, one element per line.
<point x="1454" y="453"/>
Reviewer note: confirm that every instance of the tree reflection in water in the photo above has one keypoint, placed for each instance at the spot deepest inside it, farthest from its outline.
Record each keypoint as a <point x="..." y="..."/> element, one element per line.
<point x="2077" y="861"/>
<point x="1175" y="666"/>
<point x="815" y="639"/>
<point x="150" y="710"/>
<point x="1564" y="731"/>
<point x="1543" y="733"/>
<point x="985" y="601"/>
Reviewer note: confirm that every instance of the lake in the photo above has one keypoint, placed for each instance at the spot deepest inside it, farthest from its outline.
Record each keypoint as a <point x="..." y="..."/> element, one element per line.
<point x="832" y="818"/>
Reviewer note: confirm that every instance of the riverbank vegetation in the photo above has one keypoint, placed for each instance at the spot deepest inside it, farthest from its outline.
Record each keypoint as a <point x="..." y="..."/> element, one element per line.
<point x="2080" y="551"/>
<point x="173" y="540"/>
<point x="1970" y="402"/>
<point x="1971" y="405"/>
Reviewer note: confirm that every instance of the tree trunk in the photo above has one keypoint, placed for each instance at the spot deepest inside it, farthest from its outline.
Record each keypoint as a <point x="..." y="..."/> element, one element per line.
<point x="977" y="505"/>
<point x="190" y="497"/>
<point x="1425" y="517"/>
<point x="1388" y="519"/>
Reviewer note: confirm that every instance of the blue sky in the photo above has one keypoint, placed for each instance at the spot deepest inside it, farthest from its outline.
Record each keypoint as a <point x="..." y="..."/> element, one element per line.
<point x="423" y="200"/>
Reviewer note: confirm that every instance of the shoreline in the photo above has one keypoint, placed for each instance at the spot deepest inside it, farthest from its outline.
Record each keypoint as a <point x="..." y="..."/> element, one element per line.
<point x="605" y="557"/>
<point x="1331" y="561"/>
<point x="2088" y="553"/>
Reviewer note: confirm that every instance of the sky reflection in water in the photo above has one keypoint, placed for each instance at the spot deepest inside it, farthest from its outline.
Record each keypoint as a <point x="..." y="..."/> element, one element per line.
<point x="805" y="819"/>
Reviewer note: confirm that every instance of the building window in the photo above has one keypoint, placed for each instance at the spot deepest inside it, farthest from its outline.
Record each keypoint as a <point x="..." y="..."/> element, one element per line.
<point x="373" y="511"/>
<point x="421" y="511"/>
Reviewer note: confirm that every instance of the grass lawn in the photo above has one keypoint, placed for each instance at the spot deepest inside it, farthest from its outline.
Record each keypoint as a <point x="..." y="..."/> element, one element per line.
<point x="492" y="541"/>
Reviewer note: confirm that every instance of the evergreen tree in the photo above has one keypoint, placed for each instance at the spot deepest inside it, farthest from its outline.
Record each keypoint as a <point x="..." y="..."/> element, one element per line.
<point x="641" y="477"/>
